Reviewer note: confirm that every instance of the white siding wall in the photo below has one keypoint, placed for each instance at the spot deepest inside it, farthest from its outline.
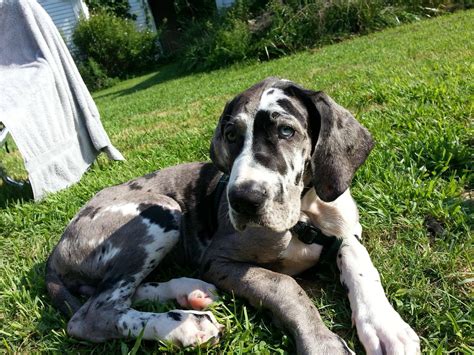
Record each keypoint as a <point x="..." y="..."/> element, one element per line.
<point x="140" y="9"/>
<point x="65" y="14"/>
<point x="222" y="4"/>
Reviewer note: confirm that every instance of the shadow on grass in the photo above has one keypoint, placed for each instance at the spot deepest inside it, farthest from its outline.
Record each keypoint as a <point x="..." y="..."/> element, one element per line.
<point x="165" y="73"/>
<point x="10" y="193"/>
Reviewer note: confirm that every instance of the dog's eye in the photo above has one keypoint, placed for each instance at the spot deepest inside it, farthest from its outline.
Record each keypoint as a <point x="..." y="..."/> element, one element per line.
<point x="231" y="136"/>
<point x="285" y="132"/>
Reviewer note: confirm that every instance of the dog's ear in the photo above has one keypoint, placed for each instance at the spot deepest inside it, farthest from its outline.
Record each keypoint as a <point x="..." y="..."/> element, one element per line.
<point x="219" y="152"/>
<point x="340" y="148"/>
<point x="340" y="144"/>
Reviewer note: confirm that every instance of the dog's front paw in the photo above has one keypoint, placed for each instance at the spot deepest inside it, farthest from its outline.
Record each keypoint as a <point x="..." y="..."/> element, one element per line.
<point x="383" y="331"/>
<point x="192" y="328"/>
<point x="193" y="293"/>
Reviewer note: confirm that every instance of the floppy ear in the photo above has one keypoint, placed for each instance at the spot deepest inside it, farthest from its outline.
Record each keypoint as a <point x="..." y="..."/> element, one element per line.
<point x="219" y="153"/>
<point x="340" y="146"/>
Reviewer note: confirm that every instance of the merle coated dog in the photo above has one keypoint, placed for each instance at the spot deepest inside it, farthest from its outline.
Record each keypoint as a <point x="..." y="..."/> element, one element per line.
<point x="283" y="159"/>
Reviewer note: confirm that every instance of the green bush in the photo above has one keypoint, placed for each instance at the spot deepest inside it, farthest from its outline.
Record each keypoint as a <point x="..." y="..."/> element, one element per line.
<point x="119" y="8"/>
<point x="94" y="75"/>
<point x="262" y="30"/>
<point x="112" y="47"/>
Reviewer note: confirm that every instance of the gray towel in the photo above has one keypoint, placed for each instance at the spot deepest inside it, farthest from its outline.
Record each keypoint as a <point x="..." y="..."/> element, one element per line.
<point x="44" y="102"/>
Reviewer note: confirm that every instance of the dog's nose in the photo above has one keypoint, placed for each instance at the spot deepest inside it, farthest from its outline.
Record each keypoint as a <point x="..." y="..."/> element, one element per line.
<point x="247" y="198"/>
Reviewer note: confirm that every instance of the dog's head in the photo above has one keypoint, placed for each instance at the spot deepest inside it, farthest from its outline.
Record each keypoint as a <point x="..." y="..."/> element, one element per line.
<point x="273" y="137"/>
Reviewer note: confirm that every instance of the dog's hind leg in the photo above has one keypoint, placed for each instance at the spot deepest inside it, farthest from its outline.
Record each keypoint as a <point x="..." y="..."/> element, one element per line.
<point x="131" y="253"/>
<point x="108" y="315"/>
<point x="189" y="293"/>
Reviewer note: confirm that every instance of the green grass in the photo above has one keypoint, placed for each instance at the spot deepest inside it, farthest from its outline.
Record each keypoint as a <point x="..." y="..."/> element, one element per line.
<point x="412" y="87"/>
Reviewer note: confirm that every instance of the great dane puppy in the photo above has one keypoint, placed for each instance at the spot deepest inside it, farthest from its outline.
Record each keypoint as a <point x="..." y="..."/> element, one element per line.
<point x="284" y="158"/>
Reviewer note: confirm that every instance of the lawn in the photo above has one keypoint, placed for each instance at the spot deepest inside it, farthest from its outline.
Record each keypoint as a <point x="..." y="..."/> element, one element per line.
<point x="411" y="86"/>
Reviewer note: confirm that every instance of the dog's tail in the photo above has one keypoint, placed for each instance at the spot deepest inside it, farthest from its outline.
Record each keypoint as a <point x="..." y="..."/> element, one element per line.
<point x="62" y="299"/>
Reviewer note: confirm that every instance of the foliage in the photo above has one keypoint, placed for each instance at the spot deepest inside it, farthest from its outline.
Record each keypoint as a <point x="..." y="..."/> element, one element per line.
<point x="109" y="46"/>
<point x="411" y="86"/>
<point x="194" y="9"/>
<point x="256" y="29"/>
<point x="119" y="8"/>
<point x="94" y="75"/>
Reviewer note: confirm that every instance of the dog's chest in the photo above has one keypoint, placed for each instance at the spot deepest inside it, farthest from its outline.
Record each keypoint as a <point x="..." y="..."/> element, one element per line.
<point x="298" y="256"/>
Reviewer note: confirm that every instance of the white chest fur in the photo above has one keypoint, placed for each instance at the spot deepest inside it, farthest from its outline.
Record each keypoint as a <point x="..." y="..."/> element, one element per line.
<point x="299" y="256"/>
<point x="337" y="218"/>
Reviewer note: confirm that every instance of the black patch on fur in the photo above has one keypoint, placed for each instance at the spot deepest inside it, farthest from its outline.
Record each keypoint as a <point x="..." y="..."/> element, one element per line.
<point x="135" y="186"/>
<point x="151" y="175"/>
<point x="361" y="275"/>
<point x="265" y="143"/>
<point x="125" y="325"/>
<point x="201" y="316"/>
<point x="174" y="316"/>
<point x="298" y="178"/>
<point x="114" y="279"/>
<point x="156" y="214"/>
<point x="88" y="211"/>
<point x="154" y="284"/>
<point x="286" y="105"/>
<point x="270" y="92"/>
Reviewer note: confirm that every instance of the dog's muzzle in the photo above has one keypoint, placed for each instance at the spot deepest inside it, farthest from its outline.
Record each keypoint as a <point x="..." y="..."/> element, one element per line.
<point x="248" y="198"/>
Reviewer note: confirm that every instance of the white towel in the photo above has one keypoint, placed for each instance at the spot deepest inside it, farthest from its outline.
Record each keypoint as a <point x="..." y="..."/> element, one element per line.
<point x="44" y="102"/>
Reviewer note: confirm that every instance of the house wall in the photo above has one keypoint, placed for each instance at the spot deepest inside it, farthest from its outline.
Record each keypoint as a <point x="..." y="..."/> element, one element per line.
<point x="222" y="4"/>
<point x="141" y="10"/>
<point x="65" y="15"/>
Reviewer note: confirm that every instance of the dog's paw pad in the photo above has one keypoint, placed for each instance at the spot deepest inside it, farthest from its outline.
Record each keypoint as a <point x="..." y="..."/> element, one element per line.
<point x="199" y="300"/>
<point x="193" y="293"/>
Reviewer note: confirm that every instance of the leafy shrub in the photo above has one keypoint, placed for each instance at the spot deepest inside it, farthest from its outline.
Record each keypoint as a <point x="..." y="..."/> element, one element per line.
<point x="119" y="8"/>
<point x="258" y="29"/>
<point x="109" y="46"/>
<point x="94" y="75"/>
<point x="217" y="46"/>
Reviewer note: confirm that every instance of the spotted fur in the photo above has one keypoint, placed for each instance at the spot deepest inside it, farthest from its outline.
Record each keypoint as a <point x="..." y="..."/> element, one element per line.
<point x="273" y="140"/>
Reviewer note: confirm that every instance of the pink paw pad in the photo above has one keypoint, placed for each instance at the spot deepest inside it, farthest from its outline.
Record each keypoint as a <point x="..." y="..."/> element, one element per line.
<point x="197" y="300"/>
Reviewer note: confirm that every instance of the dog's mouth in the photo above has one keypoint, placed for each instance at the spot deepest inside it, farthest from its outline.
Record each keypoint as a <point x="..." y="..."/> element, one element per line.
<point x="242" y="220"/>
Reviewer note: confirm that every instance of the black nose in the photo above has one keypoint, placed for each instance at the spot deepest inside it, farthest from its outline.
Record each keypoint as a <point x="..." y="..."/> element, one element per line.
<point x="247" y="198"/>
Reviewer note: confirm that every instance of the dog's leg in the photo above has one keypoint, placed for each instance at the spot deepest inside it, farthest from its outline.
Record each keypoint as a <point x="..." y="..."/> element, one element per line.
<point x="127" y="257"/>
<point x="289" y="304"/>
<point x="380" y="328"/>
<point x="189" y="293"/>
<point x="108" y="315"/>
